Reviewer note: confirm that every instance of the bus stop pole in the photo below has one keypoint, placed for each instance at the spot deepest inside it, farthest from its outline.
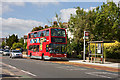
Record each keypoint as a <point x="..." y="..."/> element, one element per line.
<point x="102" y="53"/>
<point x="84" y="48"/>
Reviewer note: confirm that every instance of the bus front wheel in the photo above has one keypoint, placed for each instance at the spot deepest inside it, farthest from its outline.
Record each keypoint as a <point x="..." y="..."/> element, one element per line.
<point x="30" y="55"/>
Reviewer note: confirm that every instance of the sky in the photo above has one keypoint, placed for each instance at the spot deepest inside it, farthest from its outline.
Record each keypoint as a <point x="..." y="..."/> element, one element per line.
<point x="19" y="17"/>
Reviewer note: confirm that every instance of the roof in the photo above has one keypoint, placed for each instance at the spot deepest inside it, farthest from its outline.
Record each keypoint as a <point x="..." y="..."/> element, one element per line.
<point x="46" y="29"/>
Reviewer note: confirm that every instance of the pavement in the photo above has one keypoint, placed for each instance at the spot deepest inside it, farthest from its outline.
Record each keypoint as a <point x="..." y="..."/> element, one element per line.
<point x="106" y="64"/>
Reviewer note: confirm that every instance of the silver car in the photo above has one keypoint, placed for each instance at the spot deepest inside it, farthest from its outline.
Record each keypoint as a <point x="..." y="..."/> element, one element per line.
<point x="1" y="51"/>
<point x="6" y="52"/>
<point x="16" y="54"/>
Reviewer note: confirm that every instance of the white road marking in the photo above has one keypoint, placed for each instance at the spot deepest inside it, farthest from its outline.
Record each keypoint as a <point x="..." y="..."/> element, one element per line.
<point x="101" y="74"/>
<point x="98" y="75"/>
<point x="28" y="73"/>
<point x="12" y="66"/>
<point x="18" y="69"/>
<point x="105" y="73"/>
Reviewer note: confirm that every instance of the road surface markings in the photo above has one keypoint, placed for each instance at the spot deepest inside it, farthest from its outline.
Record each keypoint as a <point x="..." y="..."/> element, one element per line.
<point x="18" y="69"/>
<point x="28" y="73"/>
<point x="6" y="71"/>
<point x="105" y="73"/>
<point x="102" y="74"/>
<point x="71" y="68"/>
<point x="12" y="66"/>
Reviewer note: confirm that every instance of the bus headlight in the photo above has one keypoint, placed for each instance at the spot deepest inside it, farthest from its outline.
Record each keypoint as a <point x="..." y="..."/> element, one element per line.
<point x="65" y="54"/>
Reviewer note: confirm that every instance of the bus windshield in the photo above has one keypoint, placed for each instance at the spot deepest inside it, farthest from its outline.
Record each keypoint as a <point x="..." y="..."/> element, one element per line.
<point x="58" y="32"/>
<point x="57" y="48"/>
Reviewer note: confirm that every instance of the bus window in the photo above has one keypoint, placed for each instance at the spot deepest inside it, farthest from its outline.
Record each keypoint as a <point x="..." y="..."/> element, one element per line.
<point x="37" y="46"/>
<point x="34" y="48"/>
<point x="44" y="33"/>
<point x="58" y="32"/>
<point x="35" y="34"/>
<point x="39" y="33"/>
<point x="30" y="47"/>
<point x="47" y="33"/>
<point x="32" y="36"/>
<point x="29" y="35"/>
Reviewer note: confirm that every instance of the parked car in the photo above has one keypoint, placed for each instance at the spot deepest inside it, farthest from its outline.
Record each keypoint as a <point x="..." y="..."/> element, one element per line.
<point x="1" y="51"/>
<point x="6" y="52"/>
<point x="15" y="54"/>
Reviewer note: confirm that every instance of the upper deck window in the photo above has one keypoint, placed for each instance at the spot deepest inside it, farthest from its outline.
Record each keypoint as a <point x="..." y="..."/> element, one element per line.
<point x="47" y="33"/>
<point x="39" y="33"/>
<point x="35" y="34"/>
<point x="32" y="35"/>
<point x="58" y="32"/>
<point x="44" y="33"/>
<point x="29" y="35"/>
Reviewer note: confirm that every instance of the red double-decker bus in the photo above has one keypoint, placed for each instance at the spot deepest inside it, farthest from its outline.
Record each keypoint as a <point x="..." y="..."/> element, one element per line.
<point x="47" y="44"/>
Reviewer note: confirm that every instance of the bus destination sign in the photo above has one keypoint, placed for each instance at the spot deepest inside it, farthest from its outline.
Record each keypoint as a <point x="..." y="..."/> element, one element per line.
<point x="59" y="40"/>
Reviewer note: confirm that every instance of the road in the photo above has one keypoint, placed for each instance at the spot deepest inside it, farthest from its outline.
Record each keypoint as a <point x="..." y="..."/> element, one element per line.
<point x="32" y="68"/>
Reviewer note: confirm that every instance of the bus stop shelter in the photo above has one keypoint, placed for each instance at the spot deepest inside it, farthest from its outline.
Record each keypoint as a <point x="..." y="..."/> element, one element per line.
<point x="99" y="51"/>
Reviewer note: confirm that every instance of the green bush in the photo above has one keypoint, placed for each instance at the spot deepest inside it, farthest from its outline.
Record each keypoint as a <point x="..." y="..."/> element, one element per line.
<point x="112" y="51"/>
<point x="79" y="56"/>
<point x="17" y="45"/>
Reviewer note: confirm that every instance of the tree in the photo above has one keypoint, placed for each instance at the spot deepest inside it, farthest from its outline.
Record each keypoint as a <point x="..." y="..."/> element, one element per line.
<point x="77" y="24"/>
<point x="17" y="45"/>
<point x="58" y="23"/>
<point x="21" y="41"/>
<point x="13" y="38"/>
<point x="102" y="22"/>
<point x="3" y="44"/>
<point x="25" y="46"/>
<point x="37" y="28"/>
<point x="107" y="22"/>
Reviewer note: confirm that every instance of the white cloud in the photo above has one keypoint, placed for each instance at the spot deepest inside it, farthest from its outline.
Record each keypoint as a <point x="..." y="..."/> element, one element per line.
<point x="91" y="8"/>
<point x="18" y="26"/>
<point x="65" y="13"/>
<point x="5" y="6"/>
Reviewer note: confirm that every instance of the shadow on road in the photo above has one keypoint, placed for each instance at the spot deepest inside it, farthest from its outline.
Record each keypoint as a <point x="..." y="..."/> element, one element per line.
<point x="7" y="75"/>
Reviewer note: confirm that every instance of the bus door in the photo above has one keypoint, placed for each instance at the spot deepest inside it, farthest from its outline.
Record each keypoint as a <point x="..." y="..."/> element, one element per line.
<point x="30" y="50"/>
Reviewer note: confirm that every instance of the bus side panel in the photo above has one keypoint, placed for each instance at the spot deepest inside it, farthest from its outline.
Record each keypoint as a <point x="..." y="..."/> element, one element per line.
<point x="39" y="53"/>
